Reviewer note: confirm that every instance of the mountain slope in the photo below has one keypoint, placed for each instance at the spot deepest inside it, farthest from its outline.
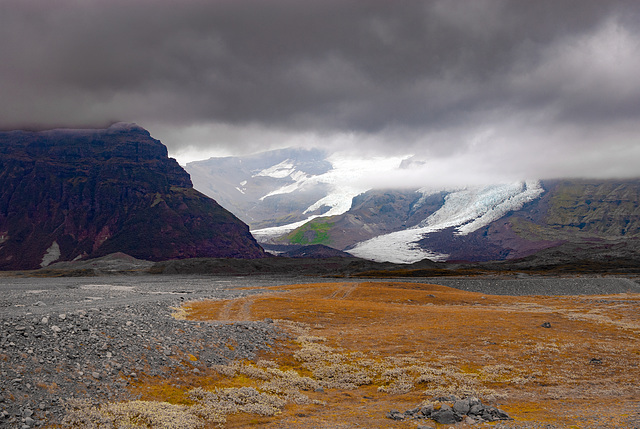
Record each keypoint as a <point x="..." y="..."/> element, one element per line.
<point x="259" y="188"/>
<point x="586" y="214"/>
<point x="588" y="207"/>
<point x="482" y="223"/>
<point x="583" y="214"/>
<point x="278" y="190"/>
<point x="392" y="223"/>
<point x="70" y="194"/>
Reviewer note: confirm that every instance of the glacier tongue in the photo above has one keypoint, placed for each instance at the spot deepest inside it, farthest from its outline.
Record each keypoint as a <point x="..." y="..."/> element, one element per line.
<point x="276" y="231"/>
<point x="398" y="247"/>
<point x="467" y="209"/>
<point x="472" y="208"/>
<point x="343" y="180"/>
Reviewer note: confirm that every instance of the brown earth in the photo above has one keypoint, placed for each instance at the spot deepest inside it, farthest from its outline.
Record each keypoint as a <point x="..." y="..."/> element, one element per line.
<point x="428" y="340"/>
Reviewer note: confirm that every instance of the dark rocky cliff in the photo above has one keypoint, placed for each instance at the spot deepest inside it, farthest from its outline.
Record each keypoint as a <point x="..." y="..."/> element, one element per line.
<point x="67" y="194"/>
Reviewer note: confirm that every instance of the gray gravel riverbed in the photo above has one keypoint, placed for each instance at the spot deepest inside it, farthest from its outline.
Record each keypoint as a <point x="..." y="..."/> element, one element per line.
<point x="63" y="338"/>
<point x="541" y="285"/>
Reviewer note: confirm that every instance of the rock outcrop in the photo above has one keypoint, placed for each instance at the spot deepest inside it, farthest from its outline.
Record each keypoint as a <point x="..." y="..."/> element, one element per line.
<point x="74" y="194"/>
<point x="452" y="410"/>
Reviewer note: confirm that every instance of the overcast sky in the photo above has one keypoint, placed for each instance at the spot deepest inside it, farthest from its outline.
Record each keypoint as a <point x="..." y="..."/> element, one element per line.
<point x="478" y="89"/>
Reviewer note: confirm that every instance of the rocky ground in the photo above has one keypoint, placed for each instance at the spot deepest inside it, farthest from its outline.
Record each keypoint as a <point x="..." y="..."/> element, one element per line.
<point x="90" y="338"/>
<point x="531" y="285"/>
<point x="64" y="338"/>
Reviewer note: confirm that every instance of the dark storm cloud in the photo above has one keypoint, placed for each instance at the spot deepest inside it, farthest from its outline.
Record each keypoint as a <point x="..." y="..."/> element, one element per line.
<point x="433" y="76"/>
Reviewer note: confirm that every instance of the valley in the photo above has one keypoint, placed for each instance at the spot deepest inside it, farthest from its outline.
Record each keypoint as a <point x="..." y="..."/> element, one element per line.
<point x="419" y="214"/>
<point x="301" y="197"/>
<point x="140" y="302"/>
<point x="153" y="341"/>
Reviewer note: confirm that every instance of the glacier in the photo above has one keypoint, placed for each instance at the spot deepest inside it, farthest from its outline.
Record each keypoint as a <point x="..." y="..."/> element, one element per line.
<point x="346" y="180"/>
<point x="263" y="234"/>
<point x="466" y="210"/>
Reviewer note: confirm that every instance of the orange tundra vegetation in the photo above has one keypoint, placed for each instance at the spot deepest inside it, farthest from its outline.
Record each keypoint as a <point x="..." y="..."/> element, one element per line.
<point x="364" y="348"/>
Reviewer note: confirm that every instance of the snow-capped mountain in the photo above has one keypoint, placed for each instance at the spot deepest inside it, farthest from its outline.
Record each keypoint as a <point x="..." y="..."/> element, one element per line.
<point x="268" y="189"/>
<point x="294" y="197"/>
<point x="277" y="191"/>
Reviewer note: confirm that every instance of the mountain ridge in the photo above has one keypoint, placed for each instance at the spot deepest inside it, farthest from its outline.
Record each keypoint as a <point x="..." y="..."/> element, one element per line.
<point x="74" y="194"/>
<point x="249" y="185"/>
<point x="481" y="223"/>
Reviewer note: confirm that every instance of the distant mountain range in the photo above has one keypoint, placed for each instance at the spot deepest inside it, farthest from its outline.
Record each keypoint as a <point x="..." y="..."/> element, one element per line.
<point x="69" y="195"/>
<point x="76" y="194"/>
<point x="272" y="188"/>
<point x="295" y="197"/>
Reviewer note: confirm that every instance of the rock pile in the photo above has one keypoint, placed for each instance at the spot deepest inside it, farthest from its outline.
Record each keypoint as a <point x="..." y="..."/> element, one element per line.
<point x="452" y="410"/>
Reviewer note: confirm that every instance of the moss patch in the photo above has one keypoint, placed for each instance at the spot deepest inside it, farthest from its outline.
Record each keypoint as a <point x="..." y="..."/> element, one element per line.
<point x="316" y="231"/>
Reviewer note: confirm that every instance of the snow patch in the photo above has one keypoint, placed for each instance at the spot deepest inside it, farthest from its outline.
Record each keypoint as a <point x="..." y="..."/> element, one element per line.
<point x="51" y="255"/>
<point x="299" y="180"/>
<point x="277" y="231"/>
<point x="278" y="171"/>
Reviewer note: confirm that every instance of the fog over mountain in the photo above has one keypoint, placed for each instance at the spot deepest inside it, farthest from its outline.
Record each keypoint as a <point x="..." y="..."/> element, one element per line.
<point x="484" y="91"/>
<point x="295" y="197"/>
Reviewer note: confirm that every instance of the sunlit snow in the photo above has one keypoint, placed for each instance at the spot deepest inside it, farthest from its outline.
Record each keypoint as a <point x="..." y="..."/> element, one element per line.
<point x="276" y="231"/>
<point x="345" y="181"/>
<point x="299" y="178"/>
<point x="467" y="210"/>
<point x="279" y="171"/>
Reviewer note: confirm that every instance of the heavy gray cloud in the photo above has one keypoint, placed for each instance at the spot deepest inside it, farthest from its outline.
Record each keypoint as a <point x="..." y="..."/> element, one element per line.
<point x="532" y="88"/>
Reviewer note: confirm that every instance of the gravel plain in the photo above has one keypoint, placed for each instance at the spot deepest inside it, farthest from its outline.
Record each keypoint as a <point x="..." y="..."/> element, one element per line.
<point x="526" y="285"/>
<point x="89" y="337"/>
